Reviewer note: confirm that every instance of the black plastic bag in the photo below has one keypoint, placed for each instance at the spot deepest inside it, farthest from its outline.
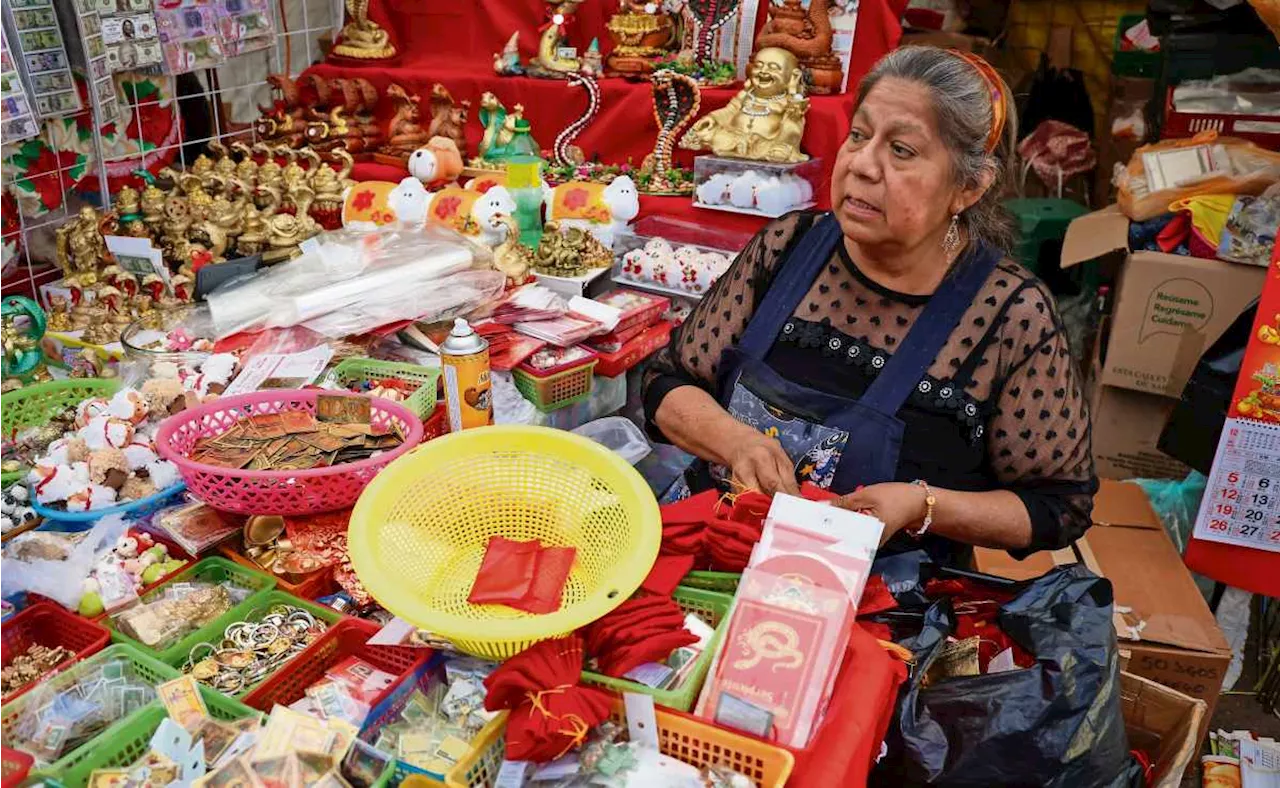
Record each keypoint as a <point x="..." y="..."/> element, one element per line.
<point x="1054" y="94"/>
<point x="1058" y="723"/>
<point x="1191" y="434"/>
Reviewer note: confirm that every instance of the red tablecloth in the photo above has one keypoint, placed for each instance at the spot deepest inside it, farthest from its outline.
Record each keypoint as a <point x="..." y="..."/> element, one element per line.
<point x="453" y="44"/>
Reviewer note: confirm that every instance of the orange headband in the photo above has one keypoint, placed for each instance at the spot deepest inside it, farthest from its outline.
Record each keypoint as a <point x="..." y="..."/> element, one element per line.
<point x="999" y="107"/>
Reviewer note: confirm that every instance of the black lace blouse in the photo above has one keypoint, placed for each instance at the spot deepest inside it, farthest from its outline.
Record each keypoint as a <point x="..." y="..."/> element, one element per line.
<point x="1000" y="408"/>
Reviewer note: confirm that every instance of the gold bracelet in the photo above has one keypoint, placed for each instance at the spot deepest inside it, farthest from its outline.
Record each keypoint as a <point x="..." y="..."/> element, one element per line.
<point x="929" y="501"/>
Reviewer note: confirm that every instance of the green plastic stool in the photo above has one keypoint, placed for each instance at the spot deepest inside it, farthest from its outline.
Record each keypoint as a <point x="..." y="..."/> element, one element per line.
<point x="1043" y="220"/>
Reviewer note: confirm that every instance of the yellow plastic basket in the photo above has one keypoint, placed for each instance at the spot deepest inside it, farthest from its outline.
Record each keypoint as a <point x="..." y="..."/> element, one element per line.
<point x="683" y="737"/>
<point x="419" y="531"/>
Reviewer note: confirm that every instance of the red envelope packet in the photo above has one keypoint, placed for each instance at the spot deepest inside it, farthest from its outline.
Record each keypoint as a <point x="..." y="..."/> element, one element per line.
<point x="506" y="573"/>
<point x="550" y="574"/>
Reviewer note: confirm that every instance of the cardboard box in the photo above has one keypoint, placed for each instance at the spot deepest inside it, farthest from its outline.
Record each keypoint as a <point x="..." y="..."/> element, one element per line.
<point x="1164" y="723"/>
<point x="1001" y="564"/>
<point x="1126" y="428"/>
<point x="1168" y="308"/>
<point x="1162" y="619"/>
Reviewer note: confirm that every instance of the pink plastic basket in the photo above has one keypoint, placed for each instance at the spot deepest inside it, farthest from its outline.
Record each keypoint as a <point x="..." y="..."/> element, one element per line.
<point x="275" y="492"/>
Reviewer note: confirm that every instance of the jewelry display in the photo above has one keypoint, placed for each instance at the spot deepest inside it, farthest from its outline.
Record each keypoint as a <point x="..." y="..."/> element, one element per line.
<point x="250" y="651"/>
<point x="765" y="121"/>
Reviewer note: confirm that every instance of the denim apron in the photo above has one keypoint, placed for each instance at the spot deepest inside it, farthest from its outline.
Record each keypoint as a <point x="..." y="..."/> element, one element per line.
<point x="837" y="442"/>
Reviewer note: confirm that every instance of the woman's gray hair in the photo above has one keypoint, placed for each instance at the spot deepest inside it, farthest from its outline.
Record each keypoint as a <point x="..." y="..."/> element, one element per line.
<point x="962" y="106"/>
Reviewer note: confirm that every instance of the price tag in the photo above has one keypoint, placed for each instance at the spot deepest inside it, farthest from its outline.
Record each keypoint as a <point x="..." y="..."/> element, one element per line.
<point x="642" y="724"/>
<point x="511" y="774"/>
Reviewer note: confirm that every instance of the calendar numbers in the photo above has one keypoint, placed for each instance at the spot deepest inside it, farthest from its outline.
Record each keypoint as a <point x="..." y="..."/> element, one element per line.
<point x="1242" y="501"/>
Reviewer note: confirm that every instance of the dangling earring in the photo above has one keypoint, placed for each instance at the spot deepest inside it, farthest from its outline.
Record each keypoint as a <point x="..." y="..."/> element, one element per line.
<point x="951" y="241"/>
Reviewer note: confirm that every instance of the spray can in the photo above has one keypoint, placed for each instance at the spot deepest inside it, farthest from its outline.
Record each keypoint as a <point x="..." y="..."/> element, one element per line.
<point x="464" y="357"/>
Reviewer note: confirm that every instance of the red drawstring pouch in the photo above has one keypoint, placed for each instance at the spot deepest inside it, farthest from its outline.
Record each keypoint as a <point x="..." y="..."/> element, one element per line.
<point x="653" y="648"/>
<point x="666" y="574"/>
<point x="550" y="713"/>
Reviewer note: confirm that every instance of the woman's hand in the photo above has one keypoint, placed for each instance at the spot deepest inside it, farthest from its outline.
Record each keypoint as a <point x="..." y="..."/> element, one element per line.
<point x="897" y="504"/>
<point x="759" y="463"/>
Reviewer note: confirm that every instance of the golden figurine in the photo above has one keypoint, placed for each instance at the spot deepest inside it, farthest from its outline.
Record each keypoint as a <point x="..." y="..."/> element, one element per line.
<point x="329" y="187"/>
<point x="284" y="233"/>
<point x="572" y="252"/>
<point x="153" y="198"/>
<point x="512" y="257"/>
<point x="59" y="317"/>
<point x="254" y="238"/>
<point x="247" y="168"/>
<point x="642" y="33"/>
<point x="129" y="211"/>
<point x="362" y="37"/>
<point x="765" y="121"/>
<point x="81" y="249"/>
<point x="548" y="62"/>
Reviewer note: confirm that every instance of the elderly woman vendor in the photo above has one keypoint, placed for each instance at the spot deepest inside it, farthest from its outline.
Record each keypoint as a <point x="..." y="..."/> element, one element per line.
<point x="888" y="350"/>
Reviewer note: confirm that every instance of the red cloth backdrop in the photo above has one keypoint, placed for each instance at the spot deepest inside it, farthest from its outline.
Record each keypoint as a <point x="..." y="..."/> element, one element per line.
<point x="453" y="42"/>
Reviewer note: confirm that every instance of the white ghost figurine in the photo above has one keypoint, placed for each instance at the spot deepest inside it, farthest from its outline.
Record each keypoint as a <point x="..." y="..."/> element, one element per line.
<point x="409" y="201"/>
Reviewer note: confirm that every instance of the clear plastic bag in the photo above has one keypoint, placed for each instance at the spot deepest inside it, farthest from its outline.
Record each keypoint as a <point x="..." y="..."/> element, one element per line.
<point x="63" y="581"/>
<point x="343" y="271"/>
<point x="1251" y="169"/>
<point x="619" y="434"/>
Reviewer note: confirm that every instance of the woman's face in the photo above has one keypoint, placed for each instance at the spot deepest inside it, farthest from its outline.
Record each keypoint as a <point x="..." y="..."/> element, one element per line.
<point x="892" y="184"/>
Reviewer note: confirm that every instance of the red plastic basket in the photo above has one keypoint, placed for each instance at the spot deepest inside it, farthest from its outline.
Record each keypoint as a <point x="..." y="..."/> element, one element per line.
<point x="279" y="492"/>
<point x="646" y="344"/>
<point x="49" y="624"/>
<point x="347" y="638"/>
<point x="437" y="425"/>
<point x="14" y="767"/>
<point x="318" y="583"/>
<point x="1261" y="129"/>
<point x="643" y="315"/>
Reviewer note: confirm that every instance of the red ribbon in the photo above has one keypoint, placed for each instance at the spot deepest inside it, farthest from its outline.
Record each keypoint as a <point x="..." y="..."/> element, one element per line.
<point x="551" y="21"/>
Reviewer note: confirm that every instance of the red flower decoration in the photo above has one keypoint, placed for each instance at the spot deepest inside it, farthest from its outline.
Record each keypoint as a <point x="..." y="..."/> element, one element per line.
<point x="363" y="200"/>
<point x="447" y="207"/>
<point x="576" y="198"/>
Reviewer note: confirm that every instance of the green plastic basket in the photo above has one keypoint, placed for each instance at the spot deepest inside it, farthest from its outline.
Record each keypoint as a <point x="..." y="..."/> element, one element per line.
<point x="147" y="668"/>
<point x="711" y="607"/>
<point x="127" y="741"/>
<point x="722" y="582"/>
<point x="557" y="390"/>
<point x="212" y="570"/>
<point x="33" y="406"/>
<point x="360" y="370"/>
<point x="254" y="609"/>
<point x="1132" y="63"/>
